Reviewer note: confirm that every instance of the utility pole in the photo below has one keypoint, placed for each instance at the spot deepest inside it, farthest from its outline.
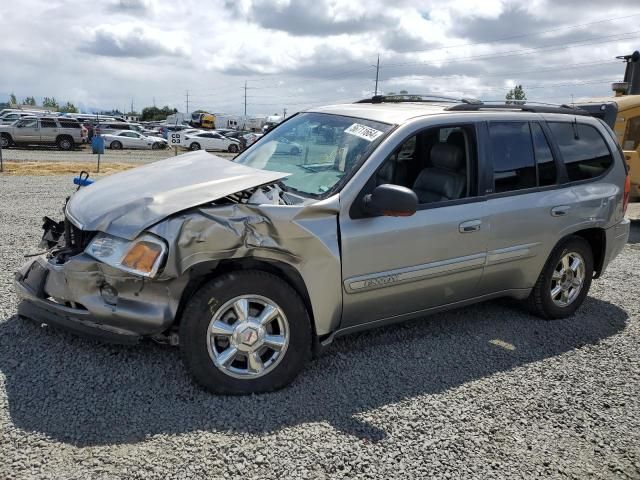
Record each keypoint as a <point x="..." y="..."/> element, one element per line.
<point x="187" y="101"/>
<point x="377" y="71"/>
<point x="284" y="113"/>
<point x="245" y="98"/>
<point x="131" y="106"/>
<point x="154" y="102"/>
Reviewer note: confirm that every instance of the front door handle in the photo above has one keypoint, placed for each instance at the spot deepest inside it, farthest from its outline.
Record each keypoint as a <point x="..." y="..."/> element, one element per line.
<point x="470" y="226"/>
<point x="560" y="210"/>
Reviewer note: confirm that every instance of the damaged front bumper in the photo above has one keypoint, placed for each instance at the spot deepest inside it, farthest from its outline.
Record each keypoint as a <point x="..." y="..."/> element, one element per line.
<point x="93" y="299"/>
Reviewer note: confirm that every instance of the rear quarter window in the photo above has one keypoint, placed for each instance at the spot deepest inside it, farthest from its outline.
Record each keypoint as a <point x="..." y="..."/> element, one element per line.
<point x="69" y="124"/>
<point x="45" y="123"/>
<point x="584" y="150"/>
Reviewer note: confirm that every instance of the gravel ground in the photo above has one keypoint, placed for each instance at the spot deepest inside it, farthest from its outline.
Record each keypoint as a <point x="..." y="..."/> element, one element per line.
<point x="83" y="154"/>
<point x="483" y="392"/>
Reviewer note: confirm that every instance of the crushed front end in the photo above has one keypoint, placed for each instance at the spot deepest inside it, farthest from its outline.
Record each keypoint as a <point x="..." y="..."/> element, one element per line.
<point x="69" y="288"/>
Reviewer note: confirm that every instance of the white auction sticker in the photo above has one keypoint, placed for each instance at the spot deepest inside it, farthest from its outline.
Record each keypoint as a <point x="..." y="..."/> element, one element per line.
<point x="362" y="131"/>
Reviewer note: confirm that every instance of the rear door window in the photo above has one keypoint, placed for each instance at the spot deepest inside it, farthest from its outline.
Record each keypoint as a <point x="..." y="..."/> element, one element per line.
<point x="47" y="123"/>
<point x="514" y="166"/>
<point x="584" y="151"/>
<point x="547" y="171"/>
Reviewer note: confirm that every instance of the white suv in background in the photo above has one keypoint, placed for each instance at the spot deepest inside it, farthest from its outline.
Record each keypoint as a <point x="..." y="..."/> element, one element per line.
<point x="63" y="132"/>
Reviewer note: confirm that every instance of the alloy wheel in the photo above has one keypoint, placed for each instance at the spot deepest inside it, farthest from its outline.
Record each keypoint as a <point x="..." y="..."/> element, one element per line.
<point x="567" y="279"/>
<point x="248" y="336"/>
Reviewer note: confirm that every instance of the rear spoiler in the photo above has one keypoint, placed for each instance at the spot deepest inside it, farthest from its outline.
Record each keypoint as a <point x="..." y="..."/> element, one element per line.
<point x="606" y="111"/>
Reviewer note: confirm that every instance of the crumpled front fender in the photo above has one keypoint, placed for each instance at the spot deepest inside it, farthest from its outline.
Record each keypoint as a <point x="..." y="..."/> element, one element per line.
<point x="303" y="237"/>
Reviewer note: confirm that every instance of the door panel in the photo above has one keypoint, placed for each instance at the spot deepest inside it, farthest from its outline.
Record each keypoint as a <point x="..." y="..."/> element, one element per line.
<point x="30" y="133"/>
<point x="398" y="265"/>
<point x="524" y="230"/>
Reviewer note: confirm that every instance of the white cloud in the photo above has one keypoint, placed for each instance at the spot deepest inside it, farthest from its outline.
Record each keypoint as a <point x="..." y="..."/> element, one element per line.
<point x="294" y="53"/>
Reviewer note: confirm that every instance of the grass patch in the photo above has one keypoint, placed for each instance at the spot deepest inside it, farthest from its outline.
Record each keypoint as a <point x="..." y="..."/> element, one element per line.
<point x="62" y="168"/>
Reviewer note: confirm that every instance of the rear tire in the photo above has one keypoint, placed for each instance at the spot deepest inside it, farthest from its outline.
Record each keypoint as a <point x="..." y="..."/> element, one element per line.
<point x="194" y="146"/>
<point x="295" y="151"/>
<point x="564" y="281"/>
<point x="5" y="140"/>
<point x="116" y="145"/>
<point x="210" y="305"/>
<point x="65" y="143"/>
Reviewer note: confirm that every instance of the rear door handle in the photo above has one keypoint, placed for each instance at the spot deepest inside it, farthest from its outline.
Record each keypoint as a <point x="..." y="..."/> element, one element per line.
<point x="470" y="226"/>
<point x="560" y="210"/>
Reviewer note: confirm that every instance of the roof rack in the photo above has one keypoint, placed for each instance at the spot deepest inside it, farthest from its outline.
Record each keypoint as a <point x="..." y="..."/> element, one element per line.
<point x="416" y="98"/>
<point x="518" y="105"/>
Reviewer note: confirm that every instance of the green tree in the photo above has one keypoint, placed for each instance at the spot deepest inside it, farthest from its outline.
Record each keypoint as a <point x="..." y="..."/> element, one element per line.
<point x="403" y="92"/>
<point x="30" y="101"/>
<point x="12" y="99"/>
<point x="68" y="108"/>
<point x="516" y="95"/>
<point x="155" y="113"/>
<point x="50" y="103"/>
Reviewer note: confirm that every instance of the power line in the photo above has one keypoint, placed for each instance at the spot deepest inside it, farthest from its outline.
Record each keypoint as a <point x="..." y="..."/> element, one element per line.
<point x="523" y="35"/>
<point x="568" y="27"/>
<point x="520" y="51"/>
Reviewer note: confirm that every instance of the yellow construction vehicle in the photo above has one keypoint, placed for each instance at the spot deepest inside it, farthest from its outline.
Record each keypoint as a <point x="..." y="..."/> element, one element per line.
<point x="622" y="113"/>
<point x="203" y="120"/>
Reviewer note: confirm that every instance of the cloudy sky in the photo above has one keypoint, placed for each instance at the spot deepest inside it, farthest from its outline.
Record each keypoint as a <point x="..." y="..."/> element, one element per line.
<point x="294" y="54"/>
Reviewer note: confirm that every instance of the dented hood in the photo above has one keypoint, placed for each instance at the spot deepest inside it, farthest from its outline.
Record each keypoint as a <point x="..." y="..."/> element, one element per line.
<point x="127" y="203"/>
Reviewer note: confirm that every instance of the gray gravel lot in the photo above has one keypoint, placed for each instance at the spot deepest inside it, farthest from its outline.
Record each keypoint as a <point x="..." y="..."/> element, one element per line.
<point x="83" y="154"/>
<point x="483" y="392"/>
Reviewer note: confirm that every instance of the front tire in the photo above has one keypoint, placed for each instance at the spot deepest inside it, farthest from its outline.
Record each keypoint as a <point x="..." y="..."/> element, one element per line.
<point x="564" y="281"/>
<point x="5" y="140"/>
<point x="233" y="148"/>
<point x="245" y="332"/>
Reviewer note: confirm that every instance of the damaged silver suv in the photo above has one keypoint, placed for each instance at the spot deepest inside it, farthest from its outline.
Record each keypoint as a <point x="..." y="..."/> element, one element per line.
<point x="393" y="208"/>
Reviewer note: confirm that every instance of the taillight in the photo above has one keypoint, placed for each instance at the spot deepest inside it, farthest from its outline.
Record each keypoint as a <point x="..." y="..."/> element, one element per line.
<point x="627" y="191"/>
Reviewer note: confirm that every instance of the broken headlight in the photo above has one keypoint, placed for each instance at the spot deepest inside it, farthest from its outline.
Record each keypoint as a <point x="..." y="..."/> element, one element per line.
<point x="142" y="256"/>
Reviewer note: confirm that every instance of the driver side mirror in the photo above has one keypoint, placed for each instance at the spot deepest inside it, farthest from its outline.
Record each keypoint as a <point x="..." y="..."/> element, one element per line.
<point x="391" y="200"/>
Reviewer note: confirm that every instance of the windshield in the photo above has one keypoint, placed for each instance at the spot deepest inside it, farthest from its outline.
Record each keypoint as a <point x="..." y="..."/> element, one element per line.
<point x="317" y="149"/>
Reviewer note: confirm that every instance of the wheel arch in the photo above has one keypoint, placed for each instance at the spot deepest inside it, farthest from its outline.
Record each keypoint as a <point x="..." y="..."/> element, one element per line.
<point x="597" y="239"/>
<point x="64" y="135"/>
<point x="202" y="273"/>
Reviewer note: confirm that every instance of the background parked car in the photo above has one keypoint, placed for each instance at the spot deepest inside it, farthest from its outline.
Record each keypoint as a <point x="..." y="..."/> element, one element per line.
<point x="252" y="138"/>
<point x="105" y="128"/>
<point x="189" y="132"/>
<point x="286" y="146"/>
<point x="238" y="135"/>
<point x="211" y="141"/>
<point x="131" y="139"/>
<point x="60" y="131"/>
<point x="11" y="116"/>
<point x="165" y="129"/>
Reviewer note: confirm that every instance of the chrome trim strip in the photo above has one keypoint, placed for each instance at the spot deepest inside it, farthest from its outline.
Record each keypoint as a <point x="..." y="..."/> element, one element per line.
<point x="388" y="278"/>
<point x="508" y="254"/>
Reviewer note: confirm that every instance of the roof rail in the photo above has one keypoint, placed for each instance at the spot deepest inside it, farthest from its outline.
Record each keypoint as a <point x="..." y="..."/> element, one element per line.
<point x="518" y="105"/>
<point x="416" y="98"/>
